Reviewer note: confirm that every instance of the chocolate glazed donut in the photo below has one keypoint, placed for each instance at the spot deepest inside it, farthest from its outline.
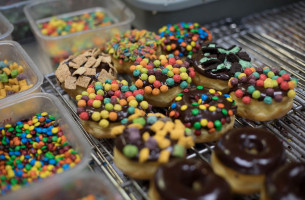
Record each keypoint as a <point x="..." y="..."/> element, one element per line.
<point x="250" y="151"/>
<point x="190" y="180"/>
<point x="285" y="183"/>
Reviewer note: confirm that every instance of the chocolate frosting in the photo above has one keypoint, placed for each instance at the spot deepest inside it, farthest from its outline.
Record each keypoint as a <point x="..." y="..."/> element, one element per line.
<point x="287" y="182"/>
<point x="220" y="63"/>
<point x="191" y="180"/>
<point x="193" y="97"/>
<point x="251" y="151"/>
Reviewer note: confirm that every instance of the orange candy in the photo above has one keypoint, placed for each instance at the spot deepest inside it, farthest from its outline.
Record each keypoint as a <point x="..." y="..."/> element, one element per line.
<point x="211" y="130"/>
<point x="163" y="61"/>
<point x="179" y="62"/>
<point x="172" y="113"/>
<point x="176" y="70"/>
<point x="143" y="63"/>
<point x="221" y="105"/>
<point x="123" y="102"/>
<point x="176" y="52"/>
<point x="132" y="68"/>
<point x="114" y="87"/>
<point x="155" y="91"/>
<point x="139" y="83"/>
<point x="90" y="90"/>
<point x="164" y="88"/>
<point x="183" y="44"/>
<point x="230" y="112"/>
<point x="147" y="90"/>
<point x="173" y="46"/>
<point x="130" y="98"/>
<point x="210" y="125"/>
<point x="113" y="116"/>
<point x="81" y="103"/>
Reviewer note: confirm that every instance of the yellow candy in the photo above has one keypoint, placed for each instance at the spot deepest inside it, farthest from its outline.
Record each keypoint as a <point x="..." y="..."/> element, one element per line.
<point x="117" y="130"/>
<point x="146" y="136"/>
<point x="26" y="126"/>
<point x="92" y="96"/>
<point x="96" y="116"/>
<point x="204" y="122"/>
<point x="164" y="156"/>
<point x="44" y="114"/>
<point x="184" y="107"/>
<point x="189" y="48"/>
<point x="104" y="123"/>
<point x="133" y="103"/>
<point x="144" y="155"/>
<point x="212" y="108"/>
<point x="104" y="114"/>
<point x="117" y="107"/>
<point x="291" y="94"/>
<point x="212" y="91"/>
<point x="268" y="83"/>
<point x="183" y="76"/>
<point x="54" y="130"/>
<point x="202" y="107"/>
<point x="107" y="87"/>
<point x="144" y="105"/>
<point x="229" y="99"/>
<point x="241" y="75"/>
<point x="178" y="98"/>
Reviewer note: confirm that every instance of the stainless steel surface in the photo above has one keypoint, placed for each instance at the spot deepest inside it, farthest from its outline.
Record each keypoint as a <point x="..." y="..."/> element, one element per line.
<point x="264" y="49"/>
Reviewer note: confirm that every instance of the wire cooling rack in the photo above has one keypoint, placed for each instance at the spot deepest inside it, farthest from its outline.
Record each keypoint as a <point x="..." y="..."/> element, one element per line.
<point x="263" y="51"/>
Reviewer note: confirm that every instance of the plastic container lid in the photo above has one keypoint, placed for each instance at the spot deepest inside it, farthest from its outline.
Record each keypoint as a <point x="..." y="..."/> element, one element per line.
<point x="6" y="28"/>
<point x="12" y="51"/>
<point x="27" y="106"/>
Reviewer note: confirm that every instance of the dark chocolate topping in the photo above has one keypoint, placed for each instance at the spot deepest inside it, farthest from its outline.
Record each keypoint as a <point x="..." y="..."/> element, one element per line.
<point x="220" y="63"/>
<point x="191" y="180"/>
<point x="287" y="182"/>
<point x="202" y="103"/>
<point x="252" y="151"/>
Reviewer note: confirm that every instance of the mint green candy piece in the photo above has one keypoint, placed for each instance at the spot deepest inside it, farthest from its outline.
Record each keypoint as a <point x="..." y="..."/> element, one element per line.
<point x="178" y="151"/>
<point x="14" y="73"/>
<point x="130" y="150"/>
<point x="140" y="120"/>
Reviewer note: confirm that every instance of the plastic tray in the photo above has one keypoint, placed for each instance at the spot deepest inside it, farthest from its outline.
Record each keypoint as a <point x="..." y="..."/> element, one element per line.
<point x="63" y="46"/>
<point x="12" y="51"/>
<point x="6" y="28"/>
<point x="27" y="106"/>
<point x="13" y="11"/>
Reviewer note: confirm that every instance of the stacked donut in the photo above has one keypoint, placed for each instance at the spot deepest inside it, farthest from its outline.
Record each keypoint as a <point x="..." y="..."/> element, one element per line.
<point x="199" y="87"/>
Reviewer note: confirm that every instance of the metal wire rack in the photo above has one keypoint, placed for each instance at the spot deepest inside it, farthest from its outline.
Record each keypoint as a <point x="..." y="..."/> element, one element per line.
<point x="263" y="51"/>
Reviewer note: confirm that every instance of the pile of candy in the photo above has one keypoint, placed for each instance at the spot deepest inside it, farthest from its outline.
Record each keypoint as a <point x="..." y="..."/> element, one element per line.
<point x="12" y="78"/>
<point x="63" y="26"/>
<point x="31" y="150"/>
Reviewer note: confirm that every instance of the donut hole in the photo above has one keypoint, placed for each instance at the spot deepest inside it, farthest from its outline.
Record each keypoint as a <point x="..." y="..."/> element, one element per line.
<point x="253" y="146"/>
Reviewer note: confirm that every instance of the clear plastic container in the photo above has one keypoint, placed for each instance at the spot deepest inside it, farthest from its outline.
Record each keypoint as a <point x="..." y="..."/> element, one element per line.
<point x="27" y="106"/>
<point x="12" y="51"/>
<point x="77" y="187"/>
<point x="63" y="46"/>
<point x="6" y="28"/>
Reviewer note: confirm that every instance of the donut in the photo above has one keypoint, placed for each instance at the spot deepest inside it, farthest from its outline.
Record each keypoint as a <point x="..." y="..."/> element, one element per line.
<point x="183" y="39"/>
<point x="104" y="105"/>
<point x="286" y="182"/>
<point x="162" y="78"/>
<point x="243" y="156"/>
<point x="214" y="65"/>
<point x="262" y="94"/>
<point x="188" y="179"/>
<point x="206" y="111"/>
<point x="126" y="48"/>
<point x="144" y="142"/>
<point x="77" y="72"/>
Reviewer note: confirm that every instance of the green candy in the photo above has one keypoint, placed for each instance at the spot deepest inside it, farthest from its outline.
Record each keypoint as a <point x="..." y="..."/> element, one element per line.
<point x="197" y="125"/>
<point x="3" y="78"/>
<point x="130" y="150"/>
<point x="199" y="87"/>
<point x="256" y="94"/>
<point x="179" y="95"/>
<point x="51" y="118"/>
<point x="224" y="111"/>
<point x="140" y="120"/>
<point x="178" y="151"/>
<point x="157" y="63"/>
<point x="195" y="104"/>
<point x="195" y="111"/>
<point x="215" y="98"/>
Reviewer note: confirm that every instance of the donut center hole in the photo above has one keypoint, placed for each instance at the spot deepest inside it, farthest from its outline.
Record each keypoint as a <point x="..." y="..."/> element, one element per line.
<point x="253" y="146"/>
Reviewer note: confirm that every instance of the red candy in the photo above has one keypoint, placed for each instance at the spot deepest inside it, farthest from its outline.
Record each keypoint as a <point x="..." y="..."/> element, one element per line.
<point x="177" y="78"/>
<point x="114" y="82"/>
<point x="197" y="132"/>
<point x="262" y="77"/>
<point x="117" y="93"/>
<point x="171" y="60"/>
<point x="192" y="73"/>
<point x="177" y="114"/>
<point x="157" y="84"/>
<point x="90" y="102"/>
<point x="279" y="80"/>
<point x="128" y="94"/>
<point x="248" y="71"/>
<point x="260" y="83"/>
<point x="98" y="97"/>
<point x="239" y="93"/>
<point x="149" y="67"/>
<point x="286" y="77"/>
<point x="139" y="59"/>
<point x="246" y="100"/>
<point x="91" y="86"/>
<point x="84" y="116"/>
<point x="284" y="85"/>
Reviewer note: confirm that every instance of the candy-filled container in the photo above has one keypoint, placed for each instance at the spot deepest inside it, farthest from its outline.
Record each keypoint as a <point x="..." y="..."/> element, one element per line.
<point x="13" y="11"/>
<point x="82" y="186"/>
<point x="40" y="145"/>
<point x="6" y="28"/>
<point x="18" y="74"/>
<point x="67" y="27"/>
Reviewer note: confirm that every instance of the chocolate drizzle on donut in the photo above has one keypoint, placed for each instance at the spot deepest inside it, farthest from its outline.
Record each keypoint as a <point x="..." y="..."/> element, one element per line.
<point x="191" y="180"/>
<point x="251" y="151"/>
<point x="220" y="63"/>
<point x="286" y="182"/>
<point x="202" y="108"/>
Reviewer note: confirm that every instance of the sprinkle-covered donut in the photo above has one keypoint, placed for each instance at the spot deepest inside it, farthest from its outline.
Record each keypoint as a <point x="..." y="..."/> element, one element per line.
<point x="214" y="65"/>
<point x="243" y="156"/>
<point x="206" y="111"/>
<point x="145" y="142"/>
<point x="183" y="39"/>
<point x="126" y="48"/>
<point x="262" y="94"/>
<point x="287" y="182"/>
<point x="162" y="79"/>
<point x="188" y="179"/>
<point x="104" y="105"/>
